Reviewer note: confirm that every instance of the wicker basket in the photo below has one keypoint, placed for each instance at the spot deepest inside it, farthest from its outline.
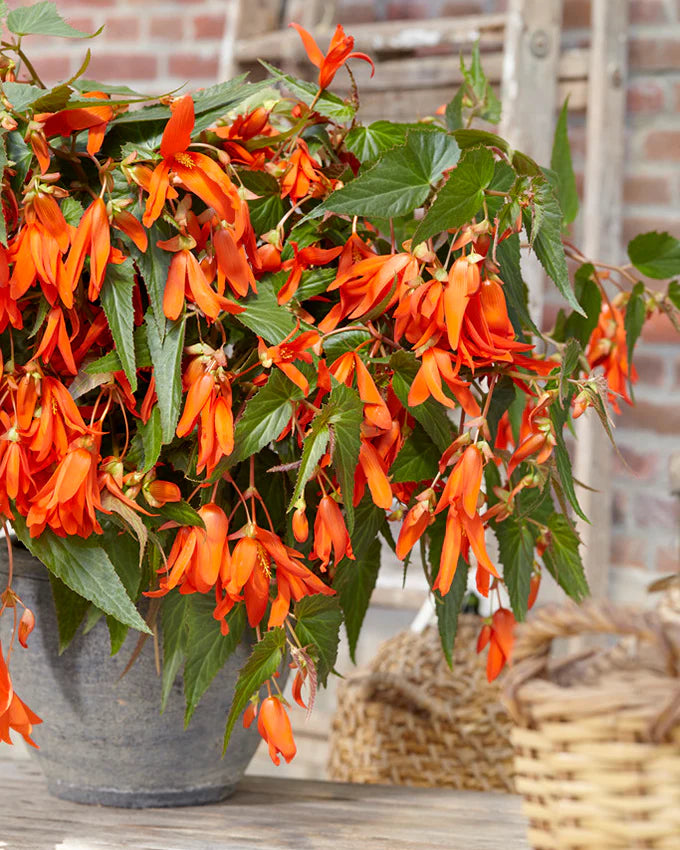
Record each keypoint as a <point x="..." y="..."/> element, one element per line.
<point x="408" y="719"/>
<point x="597" y="745"/>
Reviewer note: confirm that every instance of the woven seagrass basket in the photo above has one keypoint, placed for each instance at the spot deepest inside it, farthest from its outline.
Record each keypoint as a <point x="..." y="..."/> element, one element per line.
<point x="597" y="741"/>
<point x="407" y="719"/>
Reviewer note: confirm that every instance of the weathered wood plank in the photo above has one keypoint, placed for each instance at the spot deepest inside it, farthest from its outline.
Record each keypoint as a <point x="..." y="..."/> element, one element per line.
<point x="273" y="814"/>
<point x="382" y="37"/>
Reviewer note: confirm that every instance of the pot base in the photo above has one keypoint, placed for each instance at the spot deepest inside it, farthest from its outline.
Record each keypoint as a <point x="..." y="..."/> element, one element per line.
<point x="139" y="799"/>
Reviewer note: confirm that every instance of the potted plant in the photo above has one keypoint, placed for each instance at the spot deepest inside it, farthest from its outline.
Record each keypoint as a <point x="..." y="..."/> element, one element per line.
<point x="244" y="338"/>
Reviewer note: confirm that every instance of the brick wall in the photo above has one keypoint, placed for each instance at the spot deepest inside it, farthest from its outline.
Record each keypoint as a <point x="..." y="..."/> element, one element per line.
<point x="158" y="45"/>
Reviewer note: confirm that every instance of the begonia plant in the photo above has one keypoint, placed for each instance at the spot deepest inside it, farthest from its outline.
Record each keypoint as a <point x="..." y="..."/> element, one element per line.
<point x="247" y="342"/>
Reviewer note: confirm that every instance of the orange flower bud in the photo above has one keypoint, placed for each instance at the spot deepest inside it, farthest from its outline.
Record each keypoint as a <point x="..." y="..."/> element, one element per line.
<point x="26" y="625"/>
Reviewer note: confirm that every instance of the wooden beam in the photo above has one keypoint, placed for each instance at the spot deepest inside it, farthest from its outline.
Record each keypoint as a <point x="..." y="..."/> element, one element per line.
<point x="602" y="240"/>
<point x="530" y="97"/>
<point x="382" y="37"/>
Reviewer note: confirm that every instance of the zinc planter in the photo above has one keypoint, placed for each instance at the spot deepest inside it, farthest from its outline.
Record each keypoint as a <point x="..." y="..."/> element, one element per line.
<point x="103" y="739"/>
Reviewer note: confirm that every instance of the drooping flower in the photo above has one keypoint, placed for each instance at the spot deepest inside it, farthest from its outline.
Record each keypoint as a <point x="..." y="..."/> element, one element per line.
<point x="340" y="49"/>
<point x="499" y="636"/>
<point x="93" y="118"/>
<point x="330" y="533"/>
<point x="273" y="724"/>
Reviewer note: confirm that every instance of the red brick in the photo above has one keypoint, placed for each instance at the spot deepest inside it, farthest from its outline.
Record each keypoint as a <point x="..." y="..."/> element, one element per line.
<point x="645" y="96"/>
<point x="456" y="7"/>
<point x="191" y="66"/>
<point x="667" y="559"/>
<point x="209" y="26"/>
<point x="122" y="28"/>
<point x="647" y="416"/>
<point x="658" y="328"/>
<point x="653" y="511"/>
<point x="632" y="225"/>
<point x="629" y="464"/>
<point x="83" y="24"/>
<point x="647" y="12"/>
<point x="628" y="551"/>
<point x="576" y="14"/>
<point x="166" y="28"/>
<point x="63" y="6"/>
<point x="52" y="69"/>
<point x="639" y="189"/>
<point x="401" y="10"/>
<point x="651" y="370"/>
<point x="355" y="13"/>
<point x="654" y="54"/>
<point x="112" y="67"/>
<point x="663" y="144"/>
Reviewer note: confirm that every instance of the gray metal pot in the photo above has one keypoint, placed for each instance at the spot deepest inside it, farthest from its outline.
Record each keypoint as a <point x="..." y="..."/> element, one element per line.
<point x="103" y="740"/>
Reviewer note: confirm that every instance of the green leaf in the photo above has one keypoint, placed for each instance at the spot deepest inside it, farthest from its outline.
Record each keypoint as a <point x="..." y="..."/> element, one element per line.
<point x="175" y="630"/>
<point x="562" y="558"/>
<point x="314" y="282"/>
<point x="674" y="293"/>
<point x="655" y="255"/>
<point x="43" y="19"/>
<point x="571" y="356"/>
<point x="124" y="552"/>
<point x="543" y="223"/>
<point x="313" y="448"/>
<point x="317" y="622"/>
<point x="116" y="298"/>
<point x="590" y="298"/>
<point x="152" y="438"/>
<point x="72" y="210"/>
<point x="515" y="290"/>
<point x="22" y="95"/>
<point x="154" y="265"/>
<point x="367" y="143"/>
<point x="470" y="138"/>
<point x="262" y="664"/>
<point x="560" y="162"/>
<point x="166" y="356"/>
<point x="447" y="608"/>
<point x="430" y="413"/>
<point x="633" y="322"/>
<point x="354" y="582"/>
<point x="461" y="197"/>
<point x="180" y="512"/>
<point x="216" y="101"/>
<point x="264" y="315"/>
<point x="338" y="344"/>
<point x="329" y="105"/>
<point x="207" y="648"/>
<point x="111" y="362"/>
<point x="85" y="568"/>
<point x="503" y="396"/>
<point x="347" y="413"/>
<point x="488" y="106"/>
<point x="401" y="179"/>
<point x="562" y="461"/>
<point x="3" y="165"/>
<point x="266" y="415"/>
<point x="418" y="459"/>
<point x="454" y="110"/>
<point x="516" y="551"/>
<point x="70" y="608"/>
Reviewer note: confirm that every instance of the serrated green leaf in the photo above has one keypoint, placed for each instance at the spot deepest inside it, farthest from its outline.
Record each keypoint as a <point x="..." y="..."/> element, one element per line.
<point x="166" y="357"/>
<point x="560" y="162"/>
<point x="430" y="413"/>
<point x="111" y="362"/>
<point x="562" y="461"/>
<point x="461" y="197"/>
<point x="264" y="315"/>
<point x="338" y="344"/>
<point x="21" y="95"/>
<point x="152" y="438"/>
<point x="448" y="607"/>
<point x="515" y="290"/>
<point x="503" y="396"/>
<point x="314" y="282"/>
<point x="43" y="19"/>
<point x="116" y="299"/>
<point x="655" y="255"/>
<point x="454" y="111"/>
<point x="418" y="459"/>
<point x="470" y="138"/>
<point x="124" y="552"/>
<point x="175" y="629"/>
<point x="317" y="622"/>
<point x="674" y="293"/>
<point x="3" y="165"/>
<point x="354" y="582"/>
<point x="313" y="448"/>
<point x="488" y="106"/>
<point x="633" y="322"/>
<point x="180" y="512"/>
<point x="154" y="265"/>
<point x="590" y="298"/>
<point x="563" y="559"/>
<point x="543" y="223"/>
<point x="207" y="649"/>
<point x="72" y="210"/>
<point x="329" y="105"/>
<point x="368" y="142"/>
<point x="516" y="552"/>
<point x="345" y="423"/>
<point x="85" y="568"/>
<point x="70" y="609"/>
<point x="262" y="664"/>
<point x="571" y="356"/>
<point x="401" y="179"/>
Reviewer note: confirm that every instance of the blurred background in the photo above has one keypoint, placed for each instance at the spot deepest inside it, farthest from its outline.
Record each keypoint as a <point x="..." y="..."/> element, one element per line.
<point x="159" y="45"/>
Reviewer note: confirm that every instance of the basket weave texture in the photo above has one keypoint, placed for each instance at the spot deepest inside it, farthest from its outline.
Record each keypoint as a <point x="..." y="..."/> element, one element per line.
<point x="597" y="742"/>
<point x="407" y="719"/>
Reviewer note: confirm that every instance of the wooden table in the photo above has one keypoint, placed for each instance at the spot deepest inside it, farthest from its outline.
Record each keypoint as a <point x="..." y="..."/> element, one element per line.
<point x="266" y="813"/>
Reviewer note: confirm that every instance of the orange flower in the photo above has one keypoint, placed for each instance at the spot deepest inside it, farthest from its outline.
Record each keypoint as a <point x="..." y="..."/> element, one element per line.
<point x="330" y="533"/>
<point x="69" y="500"/>
<point x="14" y="714"/>
<point x="339" y="51"/>
<point x="301" y="175"/>
<point x="92" y="118"/>
<point x="607" y="348"/>
<point x="273" y="724"/>
<point x="201" y="175"/>
<point x="372" y="470"/>
<point x="437" y="365"/>
<point x="285" y="352"/>
<point x="500" y="637"/>
<point x="92" y="237"/>
<point x="55" y="336"/>
<point x="303" y="259"/>
<point x="376" y="412"/>
<point x="415" y="523"/>
<point x="186" y="279"/>
<point x="26" y="626"/>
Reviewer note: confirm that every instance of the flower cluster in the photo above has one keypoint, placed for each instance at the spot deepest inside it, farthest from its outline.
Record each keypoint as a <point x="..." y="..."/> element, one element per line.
<point x="213" y="343"/>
